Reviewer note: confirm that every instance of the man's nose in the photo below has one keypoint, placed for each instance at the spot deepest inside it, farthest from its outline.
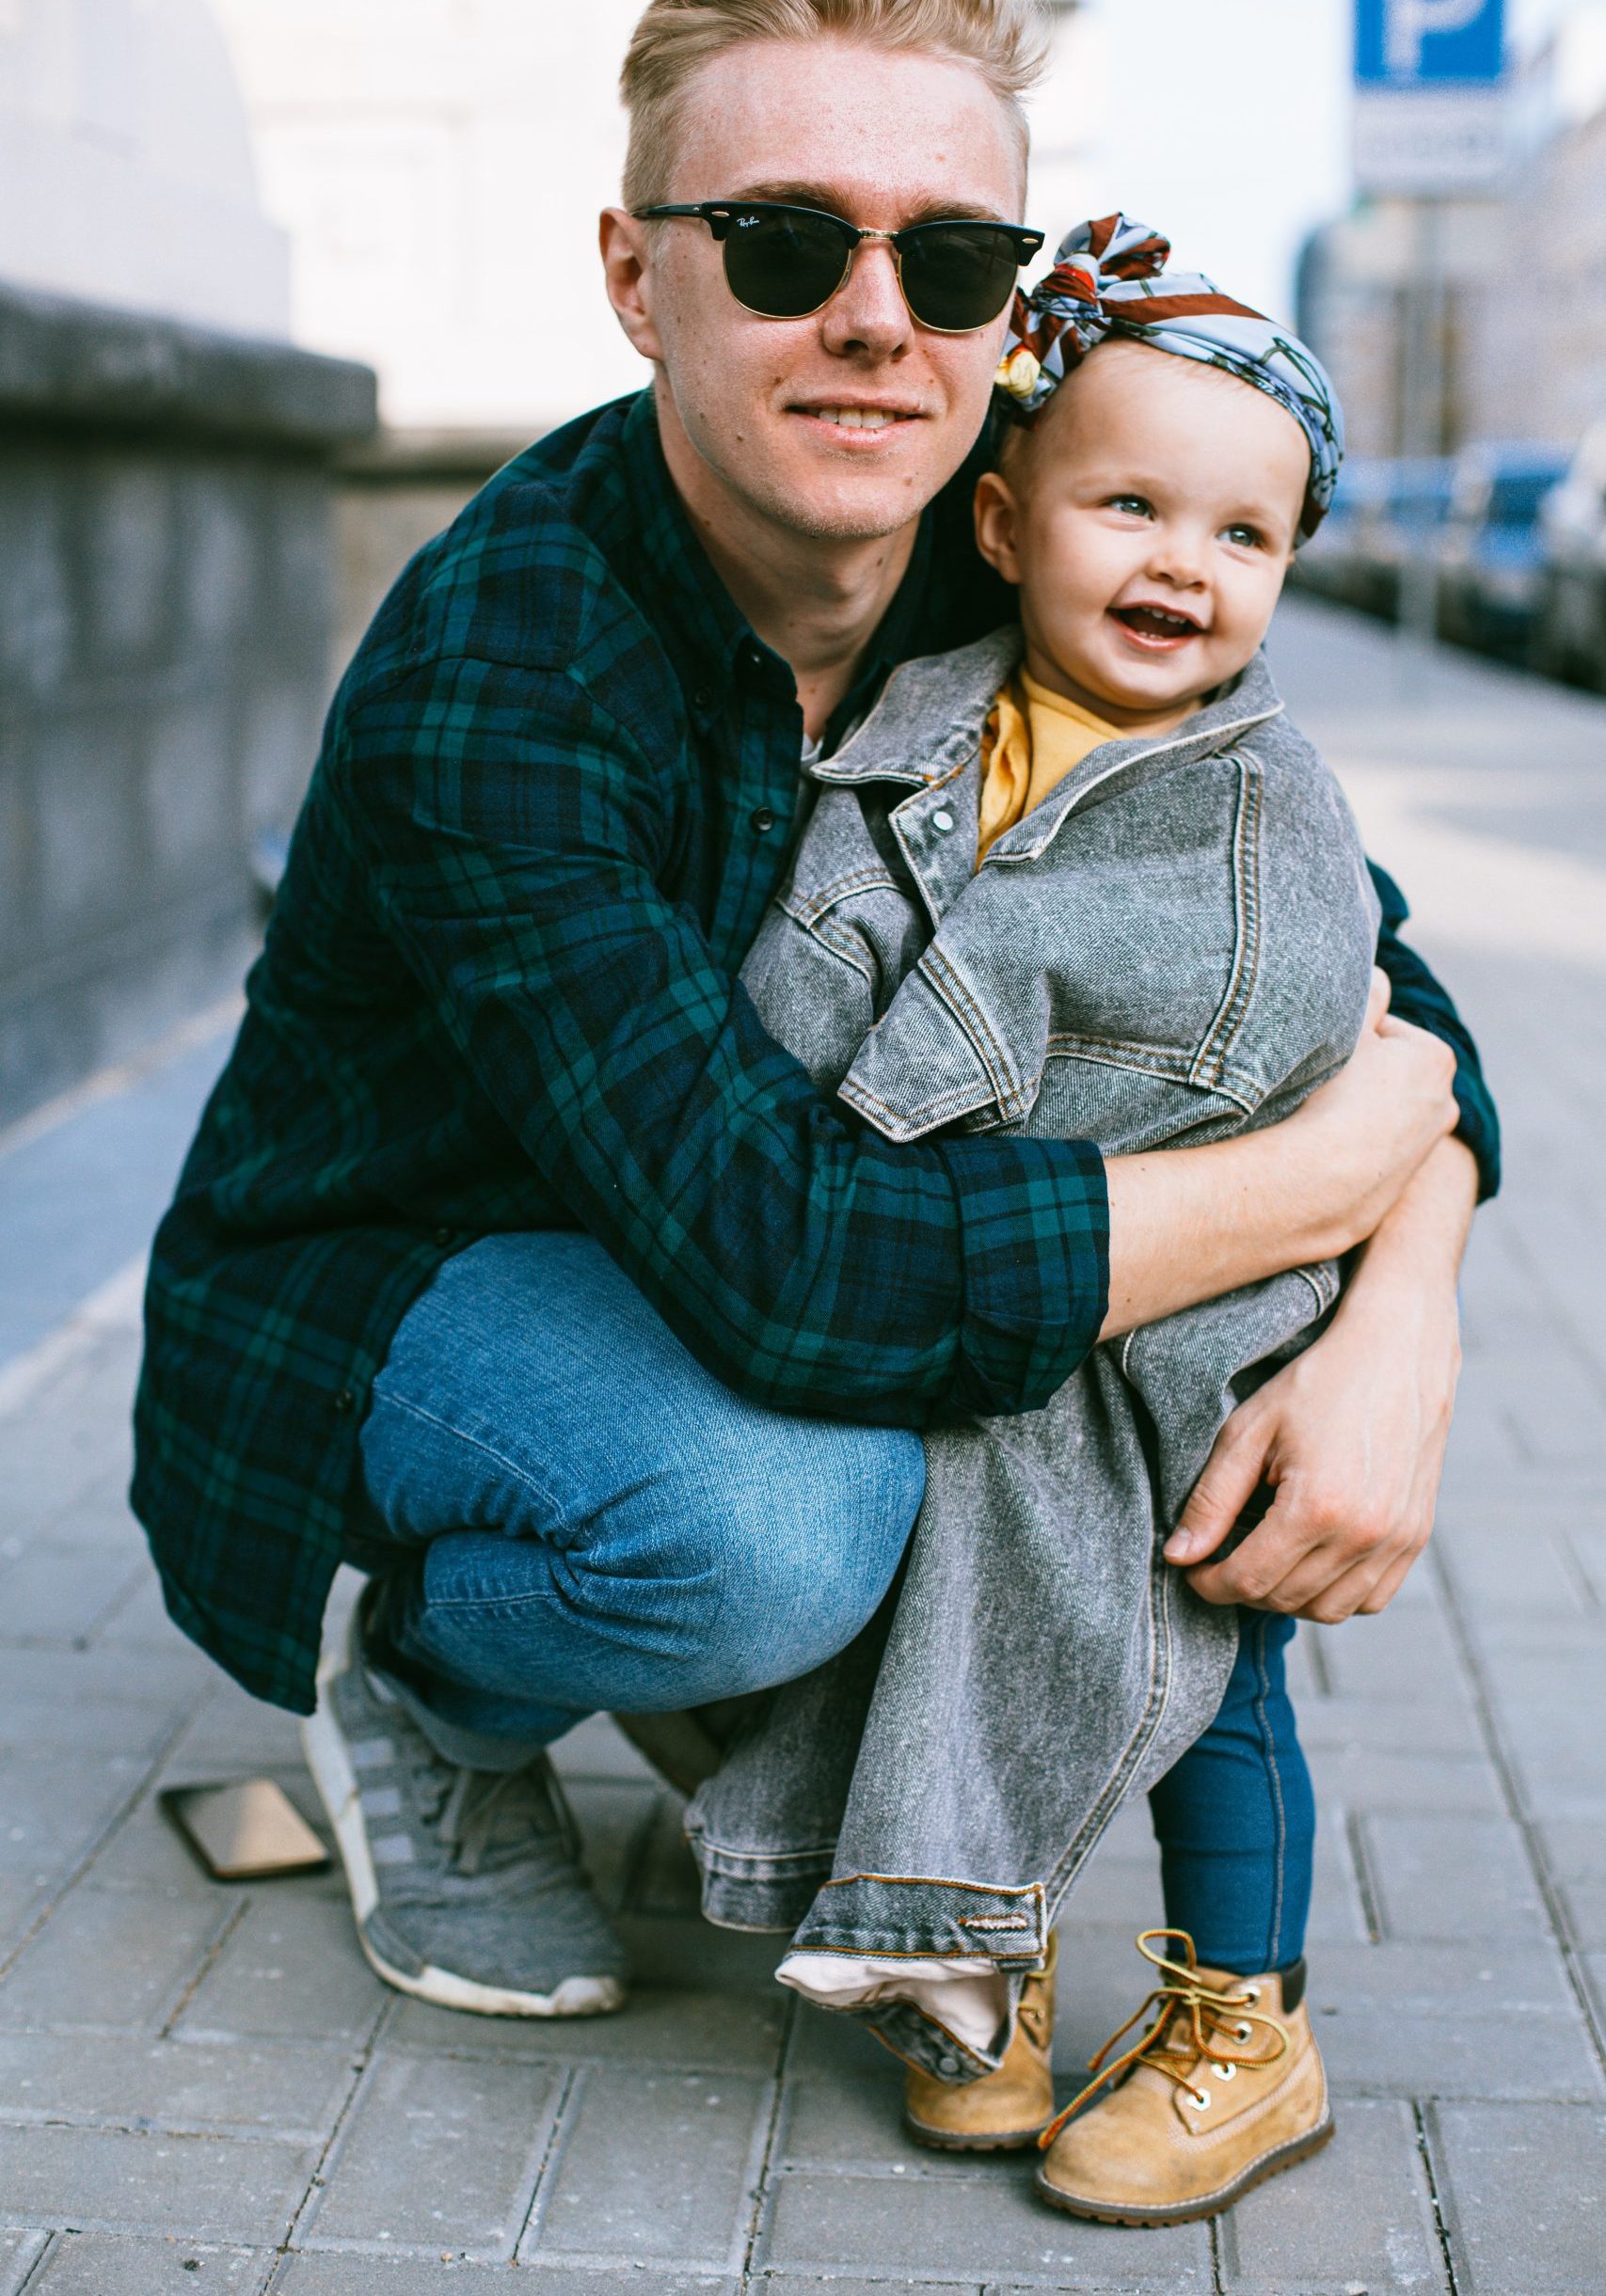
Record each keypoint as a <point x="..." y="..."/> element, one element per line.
<point x="867" y="312"/>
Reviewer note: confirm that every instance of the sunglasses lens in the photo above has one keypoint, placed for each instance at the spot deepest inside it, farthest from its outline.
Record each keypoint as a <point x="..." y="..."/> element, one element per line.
<point x="957" y="277"/>
<point x="783" y="265"/>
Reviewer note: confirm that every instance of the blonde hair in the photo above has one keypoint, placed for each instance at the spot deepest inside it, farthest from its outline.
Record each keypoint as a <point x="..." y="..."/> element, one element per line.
<point x="1007" y="41"/>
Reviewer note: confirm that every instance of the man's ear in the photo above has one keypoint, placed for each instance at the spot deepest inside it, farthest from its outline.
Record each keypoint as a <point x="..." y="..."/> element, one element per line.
<point x="996" y="516"/>
<point x="623" y="240"/>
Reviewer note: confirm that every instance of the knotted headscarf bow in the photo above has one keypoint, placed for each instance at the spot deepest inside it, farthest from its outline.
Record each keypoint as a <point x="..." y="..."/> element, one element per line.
<point x="1108" y="279"/>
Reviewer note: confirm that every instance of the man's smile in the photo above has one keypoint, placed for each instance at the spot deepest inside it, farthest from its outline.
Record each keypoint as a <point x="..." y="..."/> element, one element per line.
<point x="857" y="423"/>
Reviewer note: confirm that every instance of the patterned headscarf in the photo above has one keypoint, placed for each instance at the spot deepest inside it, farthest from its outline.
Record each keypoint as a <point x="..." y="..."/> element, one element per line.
<point x="1108" y="281"/>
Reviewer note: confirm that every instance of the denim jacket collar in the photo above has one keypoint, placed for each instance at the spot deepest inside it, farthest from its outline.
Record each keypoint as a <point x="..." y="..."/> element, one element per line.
<point x="927" y="728"/>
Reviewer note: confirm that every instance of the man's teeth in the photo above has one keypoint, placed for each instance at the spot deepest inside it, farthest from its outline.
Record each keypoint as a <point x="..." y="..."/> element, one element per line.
<point x="858" y="417"/>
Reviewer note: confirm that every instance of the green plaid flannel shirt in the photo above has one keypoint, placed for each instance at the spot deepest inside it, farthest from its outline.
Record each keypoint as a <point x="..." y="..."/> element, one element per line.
<point x="498" y="992"/>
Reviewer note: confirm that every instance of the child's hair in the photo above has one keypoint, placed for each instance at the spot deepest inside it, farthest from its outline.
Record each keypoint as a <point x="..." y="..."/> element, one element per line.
<point x="1004" y="40"/>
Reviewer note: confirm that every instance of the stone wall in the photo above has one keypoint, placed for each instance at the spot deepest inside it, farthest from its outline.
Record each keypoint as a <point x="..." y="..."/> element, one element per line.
<point x="166" y="611"/>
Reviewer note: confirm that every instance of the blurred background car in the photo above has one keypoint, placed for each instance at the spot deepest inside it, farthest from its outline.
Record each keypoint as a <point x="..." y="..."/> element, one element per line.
<point x="1338" y="561"/>
<point x="1491" y="553"/>
<point x="1389" y="513"/>
<point x="1408" y="527"/>
<point x="1570" y="640"/>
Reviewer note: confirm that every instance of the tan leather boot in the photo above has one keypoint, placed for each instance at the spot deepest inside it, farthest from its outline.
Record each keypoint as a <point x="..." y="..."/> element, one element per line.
<point x="1002" y="2110"/>
<point x="1224" y="2089"/>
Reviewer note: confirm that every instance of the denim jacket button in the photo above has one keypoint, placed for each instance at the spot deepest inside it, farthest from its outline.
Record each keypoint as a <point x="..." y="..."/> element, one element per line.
<point x="943" y="820"/>
<point x="947" y="2064"/>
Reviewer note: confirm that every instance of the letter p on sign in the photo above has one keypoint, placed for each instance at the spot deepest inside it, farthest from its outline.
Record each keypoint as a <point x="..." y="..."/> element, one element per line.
<point x="1408" y="23"/>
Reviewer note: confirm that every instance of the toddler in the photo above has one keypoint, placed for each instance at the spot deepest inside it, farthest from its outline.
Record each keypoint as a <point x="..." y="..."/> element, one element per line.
<point x="1081" y="879"/>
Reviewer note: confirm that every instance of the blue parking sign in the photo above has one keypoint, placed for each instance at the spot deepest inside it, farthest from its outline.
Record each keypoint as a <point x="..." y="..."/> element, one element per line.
<point x="1421" y="44"/>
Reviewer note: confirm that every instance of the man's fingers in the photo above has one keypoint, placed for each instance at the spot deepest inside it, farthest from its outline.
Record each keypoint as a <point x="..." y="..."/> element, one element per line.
<point x="1254" y="1573"/>
<point x="1384" y="1592"/>
<point x="1378" y="1001"/>
<point x="1328" y="1601"/>
<point x="1232" y="1474"/>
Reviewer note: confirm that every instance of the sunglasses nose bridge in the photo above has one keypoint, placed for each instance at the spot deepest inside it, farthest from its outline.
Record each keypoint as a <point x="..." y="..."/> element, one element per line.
<point x="861" y="242"/>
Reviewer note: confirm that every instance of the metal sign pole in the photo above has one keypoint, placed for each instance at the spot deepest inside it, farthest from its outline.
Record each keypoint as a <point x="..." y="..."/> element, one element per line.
<point x="1429" y="127"/>
<point x="1422" y="426"/>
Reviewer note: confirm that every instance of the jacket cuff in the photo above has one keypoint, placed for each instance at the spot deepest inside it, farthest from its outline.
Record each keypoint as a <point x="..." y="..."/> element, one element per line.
<point x="1035" y="1236"/>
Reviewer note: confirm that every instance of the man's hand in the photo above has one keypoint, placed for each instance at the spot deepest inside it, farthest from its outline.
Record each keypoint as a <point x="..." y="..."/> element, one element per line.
<point x="1365" y="1133"/>
<point x="1188" y="1224"/>
<point x="1350" y="1437"/>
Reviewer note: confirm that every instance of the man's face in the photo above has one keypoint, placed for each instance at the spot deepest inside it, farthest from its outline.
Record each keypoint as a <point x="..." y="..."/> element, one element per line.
<point x="883" y="139"/>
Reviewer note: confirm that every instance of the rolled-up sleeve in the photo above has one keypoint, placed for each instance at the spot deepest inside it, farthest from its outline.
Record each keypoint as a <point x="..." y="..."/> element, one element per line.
<point x="514" y="838"/>
<point x="1419" y="997"/>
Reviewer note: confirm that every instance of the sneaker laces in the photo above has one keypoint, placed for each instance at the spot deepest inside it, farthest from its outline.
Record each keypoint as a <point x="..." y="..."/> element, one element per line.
<point x="1193" y="2020"/>
<point x="475" y="1813"/>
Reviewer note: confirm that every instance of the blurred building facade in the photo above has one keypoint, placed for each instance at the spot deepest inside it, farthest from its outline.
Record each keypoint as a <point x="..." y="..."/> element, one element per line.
<point x="1522" y="326"/>
<point x="165" y="546"/>
<point x="126" y="172"/>
<point x="437" y="166"/>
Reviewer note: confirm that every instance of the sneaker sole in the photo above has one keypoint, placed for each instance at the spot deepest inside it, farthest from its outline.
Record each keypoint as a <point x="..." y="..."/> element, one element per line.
<point x="1270" y="2164"/>
<point x="324" y="1746"/>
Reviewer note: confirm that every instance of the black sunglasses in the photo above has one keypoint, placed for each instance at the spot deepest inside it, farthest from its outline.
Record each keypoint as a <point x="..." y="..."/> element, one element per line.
<point x="786" y="262"/>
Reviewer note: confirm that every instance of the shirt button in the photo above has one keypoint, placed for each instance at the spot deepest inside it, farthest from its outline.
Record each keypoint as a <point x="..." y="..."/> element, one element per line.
<point x="703" y="698"/>
<point x="763" y="821"/>
<point x="443" y="1236"/>
<point x="345" y="1402"/>
<point x="943" y="820"/>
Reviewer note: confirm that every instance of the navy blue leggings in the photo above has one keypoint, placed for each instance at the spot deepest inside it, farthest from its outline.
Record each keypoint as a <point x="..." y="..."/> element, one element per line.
<point x="1237" y="1820"/>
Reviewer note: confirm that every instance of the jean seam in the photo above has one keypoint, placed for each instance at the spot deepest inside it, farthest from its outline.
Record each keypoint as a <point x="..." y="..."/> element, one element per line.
<point x="475" y="1443"/>
<point x="1268" y="1749"/>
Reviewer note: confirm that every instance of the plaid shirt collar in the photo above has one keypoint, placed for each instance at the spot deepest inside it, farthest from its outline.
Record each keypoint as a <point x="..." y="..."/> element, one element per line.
<point x="708" y="638"/>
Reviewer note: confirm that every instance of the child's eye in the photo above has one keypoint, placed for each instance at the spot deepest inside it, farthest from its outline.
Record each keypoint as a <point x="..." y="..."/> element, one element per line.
<point x="1245" y="537"/>
<point x="1131" y="505"/>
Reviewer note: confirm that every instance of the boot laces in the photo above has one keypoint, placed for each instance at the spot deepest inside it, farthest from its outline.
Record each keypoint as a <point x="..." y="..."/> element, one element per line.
<point x="1192" y="2020"/>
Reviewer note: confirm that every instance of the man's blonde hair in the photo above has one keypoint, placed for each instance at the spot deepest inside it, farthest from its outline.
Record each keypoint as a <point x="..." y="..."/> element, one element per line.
<point x="1007" y="41"/>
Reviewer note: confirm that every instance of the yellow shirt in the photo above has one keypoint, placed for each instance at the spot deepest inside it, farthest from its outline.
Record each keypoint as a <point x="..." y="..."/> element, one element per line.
<point x="1038" y="737"/>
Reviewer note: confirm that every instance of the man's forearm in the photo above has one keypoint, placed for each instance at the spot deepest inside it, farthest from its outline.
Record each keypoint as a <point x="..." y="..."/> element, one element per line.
<point x="1415" y="1256"/>
<point x="1350" y="1435"/>
<point x="1189" y="1224"/>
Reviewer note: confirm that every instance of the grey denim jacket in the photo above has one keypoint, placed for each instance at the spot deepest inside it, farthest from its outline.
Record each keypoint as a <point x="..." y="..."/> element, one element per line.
<point x="1177" y="943"/>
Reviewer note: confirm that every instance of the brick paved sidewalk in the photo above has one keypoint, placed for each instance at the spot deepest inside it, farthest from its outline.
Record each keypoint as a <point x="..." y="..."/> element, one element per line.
<point x="203" y="2087"/>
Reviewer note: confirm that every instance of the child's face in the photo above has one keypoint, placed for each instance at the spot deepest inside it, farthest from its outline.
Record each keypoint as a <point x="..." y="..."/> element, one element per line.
<point x="1149" y="520"/>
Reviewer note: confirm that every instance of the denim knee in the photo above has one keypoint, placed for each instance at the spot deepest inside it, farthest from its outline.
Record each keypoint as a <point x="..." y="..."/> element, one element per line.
<point x="779" y="1571"/>
<point x="804" y="1565"/>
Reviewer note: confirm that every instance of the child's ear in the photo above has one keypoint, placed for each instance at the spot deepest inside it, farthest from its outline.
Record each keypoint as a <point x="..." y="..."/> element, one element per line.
<point x="997" y="515"/>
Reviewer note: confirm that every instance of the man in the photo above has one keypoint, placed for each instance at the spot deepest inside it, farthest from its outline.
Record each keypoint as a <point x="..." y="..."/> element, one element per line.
<point x="512" y="1262"/>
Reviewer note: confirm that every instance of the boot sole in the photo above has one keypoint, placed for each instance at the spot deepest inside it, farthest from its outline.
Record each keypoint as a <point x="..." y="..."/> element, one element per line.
<point x="322" y="1743"/>
<point x="1271" y="2164"/>
<point x="941" y="2140"/>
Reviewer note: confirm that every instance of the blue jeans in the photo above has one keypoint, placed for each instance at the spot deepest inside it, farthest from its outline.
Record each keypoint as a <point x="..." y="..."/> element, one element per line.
<point x="577" y="1516"/>
<point x="572" y="1516"/>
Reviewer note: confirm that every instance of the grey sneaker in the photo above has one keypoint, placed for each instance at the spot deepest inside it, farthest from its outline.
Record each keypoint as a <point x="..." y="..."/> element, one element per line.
<point x="466" y="1885"/>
